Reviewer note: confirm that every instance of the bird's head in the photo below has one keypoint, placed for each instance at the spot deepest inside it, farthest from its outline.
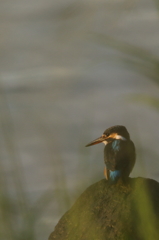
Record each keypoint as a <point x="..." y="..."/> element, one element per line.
<point x="110" y="134"/>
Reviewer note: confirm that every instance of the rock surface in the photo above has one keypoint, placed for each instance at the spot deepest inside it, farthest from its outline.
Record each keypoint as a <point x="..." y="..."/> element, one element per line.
<point x="113" y="212"/>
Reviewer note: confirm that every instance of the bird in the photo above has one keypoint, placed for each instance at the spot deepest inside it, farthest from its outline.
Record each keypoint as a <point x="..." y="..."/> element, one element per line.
<point x="119" y="153"/>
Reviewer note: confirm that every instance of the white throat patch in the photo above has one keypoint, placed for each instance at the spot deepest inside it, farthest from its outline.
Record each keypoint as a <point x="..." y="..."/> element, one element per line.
<point x="120" y="137"/>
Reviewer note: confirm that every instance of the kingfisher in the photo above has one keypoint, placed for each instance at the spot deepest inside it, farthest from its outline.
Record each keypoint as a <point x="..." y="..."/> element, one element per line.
<point x="119" y="153"/>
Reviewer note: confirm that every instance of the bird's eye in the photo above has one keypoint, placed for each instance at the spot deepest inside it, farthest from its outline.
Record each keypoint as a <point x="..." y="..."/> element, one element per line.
<point x="105" y="135"/>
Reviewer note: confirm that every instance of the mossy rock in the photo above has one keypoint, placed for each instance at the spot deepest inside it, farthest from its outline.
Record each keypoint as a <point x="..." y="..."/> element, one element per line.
<point x="113" y="212"/>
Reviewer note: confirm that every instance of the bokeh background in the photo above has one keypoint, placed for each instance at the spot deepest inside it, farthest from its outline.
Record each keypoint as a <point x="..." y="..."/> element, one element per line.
<point x="69" y="70"/>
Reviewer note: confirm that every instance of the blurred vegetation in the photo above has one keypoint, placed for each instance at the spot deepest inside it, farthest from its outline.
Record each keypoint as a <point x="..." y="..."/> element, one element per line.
<point x="18" y="215"/>
<point x="134" y="57"/>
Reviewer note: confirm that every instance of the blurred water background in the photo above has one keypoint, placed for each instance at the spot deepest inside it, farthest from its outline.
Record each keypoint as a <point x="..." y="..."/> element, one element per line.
<point x="69" y="70"/>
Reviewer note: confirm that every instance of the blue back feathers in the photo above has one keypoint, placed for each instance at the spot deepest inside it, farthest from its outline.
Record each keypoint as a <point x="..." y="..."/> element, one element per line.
<point x="114" y="175"/>
<point x="116" y="145"/>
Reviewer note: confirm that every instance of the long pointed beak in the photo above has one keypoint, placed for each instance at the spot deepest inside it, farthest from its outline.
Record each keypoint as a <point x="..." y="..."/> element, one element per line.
<point x="96" y="141"/>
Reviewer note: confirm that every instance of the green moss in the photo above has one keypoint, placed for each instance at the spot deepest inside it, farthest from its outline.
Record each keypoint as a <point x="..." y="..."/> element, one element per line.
<point x="119" y="212"/>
